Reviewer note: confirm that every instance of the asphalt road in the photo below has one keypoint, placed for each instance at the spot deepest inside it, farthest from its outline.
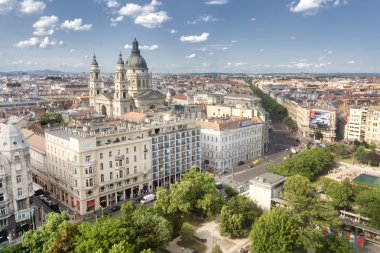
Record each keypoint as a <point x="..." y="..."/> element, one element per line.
<point x="281" y="140"/>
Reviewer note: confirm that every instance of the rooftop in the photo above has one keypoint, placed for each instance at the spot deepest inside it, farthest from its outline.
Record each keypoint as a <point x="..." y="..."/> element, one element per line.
<point x="220" y="124"/>
<point x="268" y="179"/>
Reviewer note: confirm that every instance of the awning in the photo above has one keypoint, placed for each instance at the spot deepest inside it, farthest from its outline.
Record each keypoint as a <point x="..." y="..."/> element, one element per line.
<point x="90" y="203"/>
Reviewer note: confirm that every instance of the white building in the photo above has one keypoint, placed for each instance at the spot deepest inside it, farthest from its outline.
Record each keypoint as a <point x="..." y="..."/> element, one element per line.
<point x="227" y="141"/>
<point x="266" y="189"/>
<point x="16" y="185"/>
<point x="372" y="133"/>
<point x="357" y="123"/>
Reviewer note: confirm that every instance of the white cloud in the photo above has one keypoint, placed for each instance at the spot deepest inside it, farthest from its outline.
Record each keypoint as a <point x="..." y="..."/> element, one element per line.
<point x="172" y="31"/>
<point x="7" y="6"/>
<point x="329" y="52"/>
<point x="32" y="42"/>
<point x="31" y="6"/>
<point x="235" y="64"/>
<point x="145" y="15"/>
<point x="252" y="19"/>
<point x="350" y="62"/>
<point x="46" y="43"/>
<point x="234" y="41"/>
<point x="76" y="25"/>
<point x="72" y="50"/>
<point x="217" y="2"/>
<point x="191" y="56"/>
<point x="152" y="20"/>
<point x="195" y="38"/>
<point x="45" y="25"/>
<point x="143" y="47"/>
<point x="292" y="38"/>
<point x="311" y="7"/>
<point x="112" y="3"/>
<point x="205" y="18"/>
<point x="115" y="21"/>
<point x="322" y="65"/>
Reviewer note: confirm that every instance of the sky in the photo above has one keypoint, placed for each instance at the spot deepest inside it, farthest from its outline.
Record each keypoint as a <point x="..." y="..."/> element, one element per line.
<point x="188" y="36"/>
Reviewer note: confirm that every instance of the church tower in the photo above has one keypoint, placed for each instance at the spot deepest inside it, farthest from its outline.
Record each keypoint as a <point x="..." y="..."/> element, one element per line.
<point x="121" y="102"/>
<point x="96" y="84"/>
<point x="139" y="79"/>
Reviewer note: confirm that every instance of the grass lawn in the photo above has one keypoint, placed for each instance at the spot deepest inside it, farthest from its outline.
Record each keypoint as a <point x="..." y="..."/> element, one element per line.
<point x="193" y="244"/>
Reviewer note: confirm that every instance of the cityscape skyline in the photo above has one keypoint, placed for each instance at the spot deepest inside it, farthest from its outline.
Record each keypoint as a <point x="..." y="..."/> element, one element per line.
<point x="230" y="36"/>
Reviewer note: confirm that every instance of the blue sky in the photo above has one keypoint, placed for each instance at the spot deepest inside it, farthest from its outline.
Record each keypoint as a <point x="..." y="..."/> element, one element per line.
<point x="179" y="36"/>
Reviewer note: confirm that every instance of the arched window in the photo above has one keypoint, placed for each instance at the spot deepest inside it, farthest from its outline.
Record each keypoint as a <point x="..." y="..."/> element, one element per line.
<point x="111" y="175"/>
<point x="102" y="178"/>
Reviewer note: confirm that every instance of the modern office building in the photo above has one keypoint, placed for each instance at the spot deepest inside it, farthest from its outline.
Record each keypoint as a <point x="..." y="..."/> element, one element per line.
<point x="176" y="148"/>
<point x="16" y="186"/>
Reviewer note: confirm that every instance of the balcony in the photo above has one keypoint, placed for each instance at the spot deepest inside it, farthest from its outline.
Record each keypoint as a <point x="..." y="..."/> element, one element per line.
<point x="20" y="197"/>
<point x="119" y="157"/>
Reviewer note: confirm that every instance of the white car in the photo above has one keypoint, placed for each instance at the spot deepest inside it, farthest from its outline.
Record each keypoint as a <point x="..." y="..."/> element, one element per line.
<point x="148" y="198"/>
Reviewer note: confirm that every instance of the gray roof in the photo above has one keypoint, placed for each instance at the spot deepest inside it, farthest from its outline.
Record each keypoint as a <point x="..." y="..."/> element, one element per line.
<point x="11" y="138"/>
<point x="135" y="60"/>
<point x="268" y="178"/>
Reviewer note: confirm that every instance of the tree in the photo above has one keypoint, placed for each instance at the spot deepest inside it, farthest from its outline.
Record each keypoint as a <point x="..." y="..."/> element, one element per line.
<point x="318" y="135"/>
<point x="196" y="193"/>
<point x="238" y="215"/>
<point x="37" y="241"/>
<point x="50" y="118"/>
<point x="273" y="232"/>
<point x="309" y="163"/>
<point x="216" y="249"/>
<point x="187" y="232"/>
<point x="361" y="154"/>
<point x="62" y="241"/>
<point x="339" y="149"/>
<point x="339" y="193"/>
<point x="369" y="204"/>
<point x="230" y="192"/>
<point x="17" y="248"/>
<point x="122" y="247"/>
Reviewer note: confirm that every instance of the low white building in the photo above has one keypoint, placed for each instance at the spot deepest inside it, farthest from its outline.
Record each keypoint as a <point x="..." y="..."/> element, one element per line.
<point x="227" y="141"/>
<point x="266" y="189"/>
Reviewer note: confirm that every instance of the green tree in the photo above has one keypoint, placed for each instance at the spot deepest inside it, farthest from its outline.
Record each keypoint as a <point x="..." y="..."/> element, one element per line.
<point x="17" y="248"/>
<point x="196" y="193"/>
<point x="123" y="247"/>
<point x="216" y="249"/>
<point x="50" y="118"/>
<point x="62" y="242"/>
<point x="369" y="204"/>
<point x="310" y="163"/>
<point x="238" y="216"/>
<point x="230" y="192"/>
<point x="307" y="212"/>
<point x="37" y="241"/>
<point x="333" y="245"/>
<point x="273" y="232"/>
<point x="339" y="149"/>
<point x="361" y="154"/>
<point x="339" y="193"/>
<point x="187" y="231"/>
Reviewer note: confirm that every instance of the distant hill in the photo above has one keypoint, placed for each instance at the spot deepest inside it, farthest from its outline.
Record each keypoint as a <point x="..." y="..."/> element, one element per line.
<point x="45" y="72"/>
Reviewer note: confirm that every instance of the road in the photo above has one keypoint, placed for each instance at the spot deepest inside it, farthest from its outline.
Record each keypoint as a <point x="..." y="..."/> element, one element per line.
<point x="282" y="140"/>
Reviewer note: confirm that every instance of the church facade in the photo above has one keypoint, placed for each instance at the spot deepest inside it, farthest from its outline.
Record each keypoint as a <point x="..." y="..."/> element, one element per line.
<point x="132" y="87"/>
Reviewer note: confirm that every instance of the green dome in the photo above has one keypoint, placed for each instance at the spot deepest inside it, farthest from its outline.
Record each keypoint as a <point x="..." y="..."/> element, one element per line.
<point x="135" y="60"/>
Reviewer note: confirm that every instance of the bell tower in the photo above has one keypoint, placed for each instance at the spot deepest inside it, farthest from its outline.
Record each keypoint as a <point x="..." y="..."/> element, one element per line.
<point x="121" y="103"/>
<point x="96" y="84"/>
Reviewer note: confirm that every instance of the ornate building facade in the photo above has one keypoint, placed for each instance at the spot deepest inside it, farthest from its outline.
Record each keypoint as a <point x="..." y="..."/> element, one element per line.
<point x="132" y="87"/>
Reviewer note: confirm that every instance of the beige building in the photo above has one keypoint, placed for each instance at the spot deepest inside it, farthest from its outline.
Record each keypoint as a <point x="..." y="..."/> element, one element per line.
<point x="372" y="133"/>
<point x="37" y="157"/>
<point x="98" y="166"/>
<point x="16" y="186"/>
<point x="357" y="123"/>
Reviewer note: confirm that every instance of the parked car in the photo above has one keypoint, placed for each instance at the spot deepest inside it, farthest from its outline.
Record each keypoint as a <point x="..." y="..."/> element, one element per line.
<point x="148" y="198"/>
<point x="138" y="200"/>
<point x="219" y="185"/>
<point x="115" y="208"/>
<point x="240" y="163"/>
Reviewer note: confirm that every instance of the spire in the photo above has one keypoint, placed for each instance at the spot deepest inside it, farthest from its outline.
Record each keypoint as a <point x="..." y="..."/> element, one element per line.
<point x="135" y="47"/>
<point x="94" y="62"/>
<point x="120" y="61"/>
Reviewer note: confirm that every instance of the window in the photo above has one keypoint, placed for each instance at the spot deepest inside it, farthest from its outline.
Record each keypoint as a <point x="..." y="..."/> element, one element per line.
<point x="110" y="154"/>
<point x="101" y="166"/>
<point x="111" y="175"/>
<point x="101" y="155"/>
<point x="134" y="148"/>
<point x="88" y="159"/>
<point x="121" y="174"/>
<point x="3" y="211"/>
<point x="110" y="164"/>
<point x="18" y="179"/>
<point x="135" y="158"/>
<point x="19" y="192"/>
<point x="2" y="197"/>
<point x="121" y="163"/>
<point x="1" y="183"/>
<point x="127" y="171"/>
<point x="102" y="178"/>
<point x="127" y="160"/>
<point x="20" y="204"/>
<point x="76" y="183"/>
<point x="144" y="156"/>
<point x="134" y="179"/>
<point x="127" y="150"/>
<point x="3" y="222"/>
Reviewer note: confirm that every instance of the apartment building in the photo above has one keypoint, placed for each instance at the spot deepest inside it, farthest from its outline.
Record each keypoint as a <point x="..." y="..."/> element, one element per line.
<point x="372" y="133"/>
<point x="176" y="148"/>
<point x="227" y="141"/>
<point x="357" y="123"/>
<point x="16" y="185"/>
<point x="99" y="165"/>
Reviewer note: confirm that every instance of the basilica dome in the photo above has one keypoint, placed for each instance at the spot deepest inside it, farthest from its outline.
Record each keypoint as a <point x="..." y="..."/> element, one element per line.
<point x="135" y="60"/>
